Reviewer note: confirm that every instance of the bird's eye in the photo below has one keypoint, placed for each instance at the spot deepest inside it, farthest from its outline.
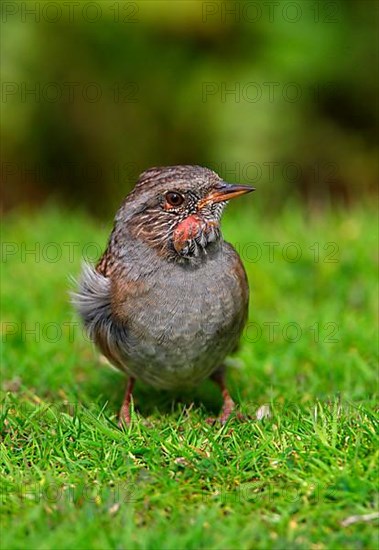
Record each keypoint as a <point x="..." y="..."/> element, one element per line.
<point x="174" y="199"/>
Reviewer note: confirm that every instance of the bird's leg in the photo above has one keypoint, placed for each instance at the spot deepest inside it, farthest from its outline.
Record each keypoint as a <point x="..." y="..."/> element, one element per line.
<point x="218" y="378"/>
<point x="124" y="416"/>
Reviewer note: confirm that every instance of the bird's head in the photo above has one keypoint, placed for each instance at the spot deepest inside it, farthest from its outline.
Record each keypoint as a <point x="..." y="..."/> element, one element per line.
<point x="177" y="209"/>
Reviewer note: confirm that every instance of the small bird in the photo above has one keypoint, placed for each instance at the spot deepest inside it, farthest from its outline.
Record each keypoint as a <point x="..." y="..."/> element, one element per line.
<point x="168" y="300"/>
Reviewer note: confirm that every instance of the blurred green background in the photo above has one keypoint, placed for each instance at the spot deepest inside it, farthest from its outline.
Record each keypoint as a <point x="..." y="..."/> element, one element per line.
<point x="278" y="94"/>
<point x="282" y="95"/>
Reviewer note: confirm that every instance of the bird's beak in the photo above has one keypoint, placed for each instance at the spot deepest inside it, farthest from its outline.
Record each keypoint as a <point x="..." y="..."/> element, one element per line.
<point x="224" y="192"/>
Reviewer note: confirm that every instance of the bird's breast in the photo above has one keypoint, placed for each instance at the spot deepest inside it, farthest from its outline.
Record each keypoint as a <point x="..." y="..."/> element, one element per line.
<point x="181" y="327"/>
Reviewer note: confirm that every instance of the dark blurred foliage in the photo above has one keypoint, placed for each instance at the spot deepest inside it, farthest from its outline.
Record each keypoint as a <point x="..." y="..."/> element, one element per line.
<point x="282" y="95"/>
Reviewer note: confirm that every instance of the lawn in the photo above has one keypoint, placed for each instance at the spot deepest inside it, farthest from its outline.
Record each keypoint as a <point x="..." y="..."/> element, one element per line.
<point x="300" y="472"/>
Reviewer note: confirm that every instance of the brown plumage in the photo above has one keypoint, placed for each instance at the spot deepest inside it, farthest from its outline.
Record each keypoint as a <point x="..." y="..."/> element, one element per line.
<point x="168" y="299"/>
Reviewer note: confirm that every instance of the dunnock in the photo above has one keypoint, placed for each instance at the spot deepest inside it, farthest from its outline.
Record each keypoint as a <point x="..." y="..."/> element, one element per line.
<point x="168" y="299"/>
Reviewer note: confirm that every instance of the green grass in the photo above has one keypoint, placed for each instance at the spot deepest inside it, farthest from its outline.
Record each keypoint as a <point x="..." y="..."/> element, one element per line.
<point x="72" y="479"/>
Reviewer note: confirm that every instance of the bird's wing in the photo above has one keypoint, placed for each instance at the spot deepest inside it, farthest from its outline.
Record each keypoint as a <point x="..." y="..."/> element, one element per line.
<point x="93" y="302"/>
<point x="240" y="274"/>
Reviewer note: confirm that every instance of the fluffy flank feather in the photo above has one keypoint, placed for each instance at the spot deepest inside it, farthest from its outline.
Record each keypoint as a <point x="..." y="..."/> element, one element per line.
<point x="92" y="300"/>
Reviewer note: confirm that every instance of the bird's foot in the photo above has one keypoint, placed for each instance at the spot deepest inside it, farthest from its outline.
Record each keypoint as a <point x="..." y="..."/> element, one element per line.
<point x="124" y="417"/>
<point x="225" y="416"/>
<point x="228" y="407"/>
<point x="228" y="410"/>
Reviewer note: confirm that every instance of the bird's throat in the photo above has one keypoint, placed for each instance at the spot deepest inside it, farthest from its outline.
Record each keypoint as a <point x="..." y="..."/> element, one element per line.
<point x="187" y="230"/>
<point x="193" y="234"/>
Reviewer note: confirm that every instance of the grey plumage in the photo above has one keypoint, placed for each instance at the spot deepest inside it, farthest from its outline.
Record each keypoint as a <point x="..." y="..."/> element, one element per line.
<point x="168" y="299"/>
<point x="179" y="330"/>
